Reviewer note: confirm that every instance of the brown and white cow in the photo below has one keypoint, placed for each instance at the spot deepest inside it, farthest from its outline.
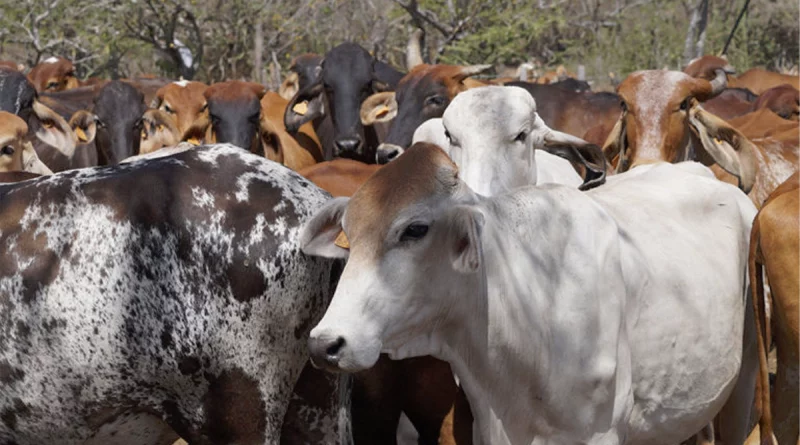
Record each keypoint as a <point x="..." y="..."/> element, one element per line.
<point x="53" y="74"/>
<point x="775" y="245"/>
<point x="162" y="298"/>
<point x="16" y="152"/>
<point x="662" y="120"/>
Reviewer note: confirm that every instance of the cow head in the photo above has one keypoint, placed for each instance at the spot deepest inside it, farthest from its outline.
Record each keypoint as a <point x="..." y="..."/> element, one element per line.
<point x="662" y="120"/>
<point x="406" y="216"/>
<point x="158" y="130"/>
<point x="184" y="102"/>
<point x="234" y="111"/>
<point x="119" y="108"/>
<point x="706" y="67"/>
<point x="53" y="74"/>
<point x="783" y="100"/>
<point x="494" y="133"/>
<point x="16" y="152"/>
<point x="422" y="94"/>
<point x="17" y="96"/>
<point x="344" y="78"/>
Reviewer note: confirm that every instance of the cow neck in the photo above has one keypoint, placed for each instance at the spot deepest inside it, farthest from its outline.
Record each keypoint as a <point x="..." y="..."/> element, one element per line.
<point x="495" y="317"/>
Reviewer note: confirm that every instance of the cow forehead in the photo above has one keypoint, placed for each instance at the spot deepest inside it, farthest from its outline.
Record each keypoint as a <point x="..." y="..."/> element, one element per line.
<point x="231" y="91"/>
<point x="425" y="77"/>
<point x="490" y="107"/>
<point x="189" y="92"/>
<point x="423" y="172"/>
<point x="650" y="91"/>
<point x="11" y="127"/>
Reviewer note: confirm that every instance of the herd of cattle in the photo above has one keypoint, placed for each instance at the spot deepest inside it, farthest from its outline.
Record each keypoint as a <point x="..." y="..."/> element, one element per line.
<point x="502" y="262"/>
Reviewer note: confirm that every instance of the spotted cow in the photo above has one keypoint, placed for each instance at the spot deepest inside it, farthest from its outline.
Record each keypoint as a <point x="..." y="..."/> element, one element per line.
<point x="161" y="298"/>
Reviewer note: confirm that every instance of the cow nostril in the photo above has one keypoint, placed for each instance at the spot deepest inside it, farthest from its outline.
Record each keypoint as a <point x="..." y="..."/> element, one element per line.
<point x="335" y="347"/>
<point x="348" y="144"/>
<point x="393" y="154"/>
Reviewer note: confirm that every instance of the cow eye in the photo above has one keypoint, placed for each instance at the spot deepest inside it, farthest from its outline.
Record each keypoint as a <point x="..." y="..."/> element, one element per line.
<point x="51" y="85"/>
<point x="255" y="118"/>
<point x="414" y="232"/>
<point x="447" y="135"/>
<point x="435" y="100"/>
<point x="623" y="105"/>
<point x="685" y="104"/>
<point x="8" y="150"/>
<point x="521" y="137"/>
<point x="205" y="107"/>
<point x="214" y="120"/>
<point x="168" y="109"/>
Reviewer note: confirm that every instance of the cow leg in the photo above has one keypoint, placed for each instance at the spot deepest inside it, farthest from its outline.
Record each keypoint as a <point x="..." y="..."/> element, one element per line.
<point x="429" y="396"/>
<point x="785" y="411"/>
<point x="457" y="426"/>
<point x="734" y="420"/>
<point x="376" y="403"/>
<point x="319" y="410"/>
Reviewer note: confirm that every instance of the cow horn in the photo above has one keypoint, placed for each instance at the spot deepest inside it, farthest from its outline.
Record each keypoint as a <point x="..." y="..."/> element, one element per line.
<point x="414" y="49"/>
<point x="472" y="70"/>
<point x="704" y="89"/>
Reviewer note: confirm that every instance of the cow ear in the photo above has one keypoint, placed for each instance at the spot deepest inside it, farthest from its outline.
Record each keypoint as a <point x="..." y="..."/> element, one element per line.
<point x="380" y="107"/>
<point x="306" y="105"/>
<point x="52" y="129"/>
<point x="471" y="70"/>
<point x="464" y="240"/>
<point x="580" y="152"/>
<point x="614" y="147"/>
<point x="322" y="235"/>
<point x="32" y="163"/>
<point x="289" y="86"/>
<point x="84" y="125"/>
<point x="158" y="131"/>
<point x="725" y="145"/>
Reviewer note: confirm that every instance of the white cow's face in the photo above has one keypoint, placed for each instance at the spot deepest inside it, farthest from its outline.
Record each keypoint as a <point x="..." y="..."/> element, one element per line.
<point x="411" y="251"/>
<point x="493" y="132"/>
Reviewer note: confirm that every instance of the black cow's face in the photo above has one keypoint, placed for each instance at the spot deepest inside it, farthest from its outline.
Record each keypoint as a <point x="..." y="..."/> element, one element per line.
<point x="119" y="108"/>
<point x="234" y="109"/>
<point x="347" y="75"/>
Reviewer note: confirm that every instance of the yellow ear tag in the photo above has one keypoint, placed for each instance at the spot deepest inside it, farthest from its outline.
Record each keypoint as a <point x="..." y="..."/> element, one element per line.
<point x="160" y="127"/>
<point x="300" y="108"/>
<point x="81" y="134"/>
<point x="193" y="141"/>
<point x="342" y="241"/>
<point x="382" y="111"/>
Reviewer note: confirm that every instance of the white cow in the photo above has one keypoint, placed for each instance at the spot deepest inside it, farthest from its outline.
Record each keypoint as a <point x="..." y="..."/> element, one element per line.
<point x="610" y="316"/>
<point x="499" y="142"/>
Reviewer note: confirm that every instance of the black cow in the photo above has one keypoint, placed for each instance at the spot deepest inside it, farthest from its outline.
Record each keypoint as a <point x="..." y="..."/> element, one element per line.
<point x="346" y="76"/>
<point x="163" y="297"/>
<point x="119" y="107"/>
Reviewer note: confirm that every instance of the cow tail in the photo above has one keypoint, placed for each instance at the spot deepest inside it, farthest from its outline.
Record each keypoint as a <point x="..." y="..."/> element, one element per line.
<point x="755" y="270"/>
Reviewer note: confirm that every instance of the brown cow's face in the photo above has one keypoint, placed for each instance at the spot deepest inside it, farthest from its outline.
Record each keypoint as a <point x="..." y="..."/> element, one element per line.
<point x="235" y="113"/>
<point x="16" y="152"/>
<point x="662" y="120"/>
<point x="184" y="102"/>
<point x="654" y="108"/>
<point x="53" y="74"/>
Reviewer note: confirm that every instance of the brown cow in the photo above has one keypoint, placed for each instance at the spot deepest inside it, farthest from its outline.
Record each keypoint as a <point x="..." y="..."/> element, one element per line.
<point x="7" y="64"/>
<point x="756" y="80"/>
<point x="16" y="153"/>
<point x="184" y="102"/>
<point x="422" y="94"/>
<point x="662" y="121"/>
<point x="295" y="152"/>
<point x="774" y="244"/>
<point x="731" y="103"/>
<point x="53" y="74"/>
<point x="783" y="100"/>
<point x="339" y="177"/>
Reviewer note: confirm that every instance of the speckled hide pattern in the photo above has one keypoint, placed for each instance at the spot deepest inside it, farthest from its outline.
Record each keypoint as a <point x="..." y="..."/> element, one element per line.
<point x="164" y="293"/>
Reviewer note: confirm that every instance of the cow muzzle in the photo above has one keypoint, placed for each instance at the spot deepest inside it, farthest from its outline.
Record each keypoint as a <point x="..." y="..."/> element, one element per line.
<point x="347" y="147"/>
<point x="387" y="153"/>
<point x="325" y="351"/>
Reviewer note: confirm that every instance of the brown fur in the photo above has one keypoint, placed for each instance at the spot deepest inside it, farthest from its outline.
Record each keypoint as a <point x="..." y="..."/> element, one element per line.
<point x="783" y="100"/>
<point x="760" y="80"/>
<point x="13" y="131"/>
<point x="453" y="77"/>
<point x="296" y="152"/>
<point x="184" y="103"/>
<point x="53" y="77"/>
<point x="339" y="177"/>
<point x="775" y="245"/>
